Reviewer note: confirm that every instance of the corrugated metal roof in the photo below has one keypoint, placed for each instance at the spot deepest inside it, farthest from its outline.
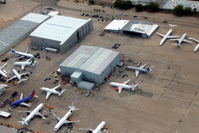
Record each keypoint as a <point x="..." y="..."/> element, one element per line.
<point x="14" y="33"/>
<point x="116" y="25"/>
<point x="90" y="58"/>
<point x="59" y="28"/>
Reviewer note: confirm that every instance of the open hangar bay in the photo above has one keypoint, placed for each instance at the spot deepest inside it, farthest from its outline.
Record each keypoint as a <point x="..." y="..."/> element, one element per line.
<point x="173" y="107"/>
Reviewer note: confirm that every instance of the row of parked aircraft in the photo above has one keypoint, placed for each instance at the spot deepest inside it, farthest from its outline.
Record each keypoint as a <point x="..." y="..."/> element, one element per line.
<point x="60" y="121"/>
<point x="180" y="40"/>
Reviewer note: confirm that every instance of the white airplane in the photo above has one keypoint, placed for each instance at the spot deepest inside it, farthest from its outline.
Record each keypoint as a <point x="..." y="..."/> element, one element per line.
<point x="167" y="35"/>
<point x="2" y="71"/>
<point x="99" y="128"/>
<point x="121" y="86"/>
<point x="23" y="64"/>
<point x="18" y="76"/>
<point x="35" y="112"/>
<point x="139" y="69"/>
<point x="50" y="91"/>
<point x="181" y="40"/>
<point x="65" y="118"/>
<point x="197" y="46"/>
<point x="22" y="54"/>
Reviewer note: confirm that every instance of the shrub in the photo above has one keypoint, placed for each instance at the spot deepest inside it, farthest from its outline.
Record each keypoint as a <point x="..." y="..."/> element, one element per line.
<point x="91" y="2"/>
<point x="153" y="7"/>
<point x="139" y="8"/>
<point x="123" y="4"/>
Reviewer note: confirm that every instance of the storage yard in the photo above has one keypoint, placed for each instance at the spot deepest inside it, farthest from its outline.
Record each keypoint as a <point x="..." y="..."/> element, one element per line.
<point x="167" y="99"/>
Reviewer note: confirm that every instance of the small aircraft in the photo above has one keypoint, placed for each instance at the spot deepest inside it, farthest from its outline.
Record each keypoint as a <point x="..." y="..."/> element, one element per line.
<point x="18" y="76"/>
<point x="197" y="46"/>
<point x="99" y="128"/>
<point x="22" y="101"/>
<point x="65" y="118"/>
<point x="50" y="91"/>
<point x="167" y="35"/>
<point x="23" y="64"/>
<point x="22" y="54"/>
<point x="35" y="112"/>
<point x="2" y="71"/>
<point x="121" y="86"/>
<point x="181" y="39"/>
<point x="139" y="69"/>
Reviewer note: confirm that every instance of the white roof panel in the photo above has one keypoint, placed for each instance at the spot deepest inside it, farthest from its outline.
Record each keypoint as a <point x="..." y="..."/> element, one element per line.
<point x="116" y="25"/>
<point x="59" y="28"/>
<point x="34" y="17"/>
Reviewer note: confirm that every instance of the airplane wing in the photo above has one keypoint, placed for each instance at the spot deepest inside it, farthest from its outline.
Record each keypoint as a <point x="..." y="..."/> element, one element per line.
<point x="68" y="122"/>
<point x="48" y="94"/>
<point x="10" y="79"/>
<point x="57" y="118"/>
<point x="25" y="104"/>
<point x="175" y="39"/>
<point x="194" y="40"/>
<point x="126" y="82"/>
<point x="137" y="73"/>
<point x="172" y="37"/>
<point x="56" y="87"/>
<point x="187" y="41"/>
<point x="160" y="34"/>
<point x="142" y="66"/>
<point x="120" y="89"/>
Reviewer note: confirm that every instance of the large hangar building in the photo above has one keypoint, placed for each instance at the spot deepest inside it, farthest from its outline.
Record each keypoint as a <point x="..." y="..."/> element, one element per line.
<point x="60" y="33"/>
<point x="90" y="63"/>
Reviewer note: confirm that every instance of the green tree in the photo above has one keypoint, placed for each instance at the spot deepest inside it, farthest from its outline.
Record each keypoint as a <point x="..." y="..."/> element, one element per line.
<point x="91" y="2"/>
<point x="153" y="7"/>
<point x="139" y="8"/>
<point x="123" y="4"/>
<point x="179" y="10"/>
<point x="188" y="11"/>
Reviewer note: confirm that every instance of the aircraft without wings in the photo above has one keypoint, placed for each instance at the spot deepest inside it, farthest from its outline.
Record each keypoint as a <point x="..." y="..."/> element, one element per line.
<point x="121" y="86"/>
<point x="65" y="118"/>
<point x="50" y="91"/>
<point x="22" y="54"/>
<point x="35" y="112"/>
<point x="167" y="35"/>
<point x="18" y="76"/>
<point x="139" y="69"/>
<point x="98" y="129"/>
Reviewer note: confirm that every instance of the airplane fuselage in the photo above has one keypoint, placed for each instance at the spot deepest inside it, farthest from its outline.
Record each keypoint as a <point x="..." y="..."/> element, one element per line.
<point x="196" y="48"/>
<point x="143" y="70"/>
<point x="165" y="37"/>
<point x="22" y="63"/>
<point x="182" y="38"/>
<point x="33" y="113"/>
<point x="22" y="54"/>
<point x="3" y="73"/>
<point x="17" y="102"/>
<point x="62" y="120"/>
<point x="99" y="127"/>
<point x="17" y="74"/>
<point x="50" y="90"/>
<point x="120" y="85"/>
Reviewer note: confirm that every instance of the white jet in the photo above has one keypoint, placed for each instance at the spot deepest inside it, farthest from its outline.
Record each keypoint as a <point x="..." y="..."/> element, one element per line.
<point x="197" y="46"/>
<point x="167" y="35"/>
<point x="65" y="118"/>
<point x="22" y="54"/>
<point x="99" y="128"/>
<point x="18" y="76"/>
<point x="181" y="40"/>
<point x="139" y="69"/>
<point x="23" y="64"/>
<point x="121" y="86"/>
<point x="50" y="91"/>
<point x="35" y="112"/>
<point x="2" y="71"/>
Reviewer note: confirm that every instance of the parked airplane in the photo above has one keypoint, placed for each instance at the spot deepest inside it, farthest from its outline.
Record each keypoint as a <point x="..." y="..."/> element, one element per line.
<point x="23" y="64"/>
<point x="50" y="91"/>
<point x="22" y="101"/>
<point x="167" y="35"/>
<point x="21" y="54"/>
<point x="35" y="112"/>
<point x="121" y="86"/>
<point x="18" y="76"/>
<point x="99" y="128"/>
<point x="2" y="71"/>
<point x="65" y="118"/>
<point x="181" y="39"/>
<point x="197" y="46"/>
<point x="139" y="69"/>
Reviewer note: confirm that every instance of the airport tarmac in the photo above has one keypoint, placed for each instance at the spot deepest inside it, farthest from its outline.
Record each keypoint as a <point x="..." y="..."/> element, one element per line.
<point x="168" y="100"/>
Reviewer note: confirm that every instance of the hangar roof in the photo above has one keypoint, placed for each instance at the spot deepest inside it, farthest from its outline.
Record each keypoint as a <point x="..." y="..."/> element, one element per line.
<point x="59" y="28"/>
<point x="90" y="58"/>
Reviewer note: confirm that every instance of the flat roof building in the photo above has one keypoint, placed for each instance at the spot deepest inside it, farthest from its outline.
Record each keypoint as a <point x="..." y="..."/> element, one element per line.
<point x="141" y="28"/>
<point x="60" y="32"/>
<point x="90" y="63"/>
<point x="18" y="31"/>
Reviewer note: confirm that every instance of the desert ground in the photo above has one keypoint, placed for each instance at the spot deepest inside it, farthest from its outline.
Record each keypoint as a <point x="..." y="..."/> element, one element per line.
<point x="167" y="100"/>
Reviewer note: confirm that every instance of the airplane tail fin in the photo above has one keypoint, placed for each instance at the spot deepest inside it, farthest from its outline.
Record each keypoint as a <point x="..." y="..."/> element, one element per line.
<point x="23" y="122"/>
<point x="134" y="86"/>
<point x="172" y="25"/>
<point x="33" y="93"/>
<point x="21" y="80"/>
<point x="175" y="44"/>
<point x="61" y="92"/>
<point x="72" y="107"/>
